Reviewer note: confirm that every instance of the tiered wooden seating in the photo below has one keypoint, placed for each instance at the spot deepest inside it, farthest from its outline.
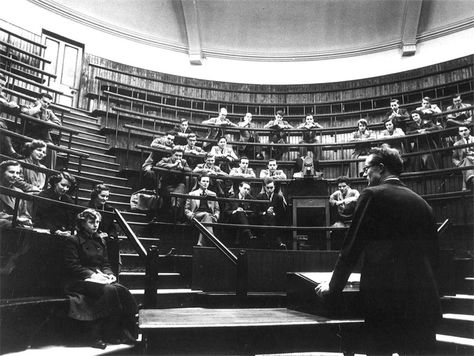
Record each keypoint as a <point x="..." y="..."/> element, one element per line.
<point x="325" y="100"/>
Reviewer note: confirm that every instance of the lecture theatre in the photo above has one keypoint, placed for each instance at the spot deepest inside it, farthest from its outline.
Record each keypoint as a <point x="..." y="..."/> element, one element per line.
<point x="237" y="177"/>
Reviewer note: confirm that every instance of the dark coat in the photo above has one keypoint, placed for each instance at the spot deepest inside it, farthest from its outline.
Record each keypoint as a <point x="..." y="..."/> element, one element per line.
<point x="107" y="224"/>
<point x="83" y="256"/>
<point x="232" y="205"/>
<point x="51" y="216"/>
<point x="278" y="203"/>
<point x="394" y="230"/>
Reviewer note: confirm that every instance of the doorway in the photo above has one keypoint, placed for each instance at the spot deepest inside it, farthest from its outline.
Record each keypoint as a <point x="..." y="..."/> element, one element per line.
<point x="66" y="61"/>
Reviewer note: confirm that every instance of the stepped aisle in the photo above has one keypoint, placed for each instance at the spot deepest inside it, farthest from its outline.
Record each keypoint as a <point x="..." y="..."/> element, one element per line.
<point x="173" y="280"/>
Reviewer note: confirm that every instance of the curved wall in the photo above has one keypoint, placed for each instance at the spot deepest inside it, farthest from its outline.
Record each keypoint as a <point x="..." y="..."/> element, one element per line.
<point x="143" y="54"/>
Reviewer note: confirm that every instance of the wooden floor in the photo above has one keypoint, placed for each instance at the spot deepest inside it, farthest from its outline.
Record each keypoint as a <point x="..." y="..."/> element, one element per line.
<point x="73" y="351"/>
<point x="221" y="318"/>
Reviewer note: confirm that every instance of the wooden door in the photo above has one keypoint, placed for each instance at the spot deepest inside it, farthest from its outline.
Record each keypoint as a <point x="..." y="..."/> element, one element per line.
<point x="66" y="61"/>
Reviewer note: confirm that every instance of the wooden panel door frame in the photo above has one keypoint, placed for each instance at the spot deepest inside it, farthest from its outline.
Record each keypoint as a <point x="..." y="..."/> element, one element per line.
<point x="66" y="57"/>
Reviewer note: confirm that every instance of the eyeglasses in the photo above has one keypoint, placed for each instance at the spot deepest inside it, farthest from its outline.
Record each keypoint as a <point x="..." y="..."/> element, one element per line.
<point x="366" y="168"/>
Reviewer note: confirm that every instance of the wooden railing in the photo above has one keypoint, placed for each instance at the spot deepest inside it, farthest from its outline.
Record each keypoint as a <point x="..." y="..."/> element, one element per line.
<point x="69" y="152"/>
<point x="327" y="93"/>
<point x="194" y="113"/>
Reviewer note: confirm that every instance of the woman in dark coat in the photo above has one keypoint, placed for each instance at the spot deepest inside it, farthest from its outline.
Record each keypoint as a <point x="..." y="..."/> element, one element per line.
<point x="107" y="229"/>
<point x="91" y="286"/>
<point x="54" y="217"/>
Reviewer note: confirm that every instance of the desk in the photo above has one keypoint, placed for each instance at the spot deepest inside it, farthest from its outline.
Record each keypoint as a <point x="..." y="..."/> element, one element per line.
<point x="302" y="205"/>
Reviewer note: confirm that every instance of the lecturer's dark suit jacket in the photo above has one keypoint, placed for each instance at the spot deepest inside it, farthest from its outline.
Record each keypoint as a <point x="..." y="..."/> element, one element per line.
<point x="394" y="230"/>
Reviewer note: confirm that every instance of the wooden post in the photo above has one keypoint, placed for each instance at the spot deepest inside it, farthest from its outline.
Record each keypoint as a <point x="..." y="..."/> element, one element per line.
<point x="151" y="277"/>
<point x="242" y="275"/>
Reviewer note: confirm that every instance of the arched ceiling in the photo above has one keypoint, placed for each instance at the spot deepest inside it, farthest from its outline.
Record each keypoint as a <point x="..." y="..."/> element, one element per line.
<point x="274" y="29"/>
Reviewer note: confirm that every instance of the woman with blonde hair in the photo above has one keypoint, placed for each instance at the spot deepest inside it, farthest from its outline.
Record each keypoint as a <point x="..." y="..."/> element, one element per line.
<point x="32" y="180"/>
<point x="106" y="307"/>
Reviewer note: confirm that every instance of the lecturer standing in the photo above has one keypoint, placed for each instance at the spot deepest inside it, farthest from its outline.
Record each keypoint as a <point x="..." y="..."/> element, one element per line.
<point x="395" y="232"/>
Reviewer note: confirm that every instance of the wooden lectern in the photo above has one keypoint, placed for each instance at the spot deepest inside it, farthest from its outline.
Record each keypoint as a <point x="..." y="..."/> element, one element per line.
<point x="310" y="201"/>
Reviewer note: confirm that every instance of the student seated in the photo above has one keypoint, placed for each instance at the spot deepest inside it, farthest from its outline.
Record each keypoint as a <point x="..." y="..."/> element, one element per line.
<point x="397" y="115"/>
<point x="221" y="122"/>
<point x="278" y="134"/>
<point x="40" y="111"/>
<point x="461" y="117"/>
<point x="58" y="219"/>
<point x="182" y="132"/>
<point x="249" y="136"/>
<point x="464" y="157"/>
<point x="209" y="167"/>
<point x="241" y="212"/>
<point x="425" y="161"/>
<point x="392" y="131"/>
<point x="361" y="149"/>
<point x="175" y="180"/>
<point x="272" y="214"/>
<point x="429" y="111"/>
<point x="205" y="211"/>
<point x="223" y="154"/>
<point x="272" y="171"/>
<point x="164" y="142"/>
<point x="95" y="297"/>
<point x="150" y="179"/>
<point x="9" y="107"/>
<point x="192" y="149"/>
<point x="343" y="201"/>
<point x="107" y="230"/>
<point x="309" y="128"/>
<point x="243" y="170"/>
<point x="32" y="180"/>
<point x="9" y="175"/>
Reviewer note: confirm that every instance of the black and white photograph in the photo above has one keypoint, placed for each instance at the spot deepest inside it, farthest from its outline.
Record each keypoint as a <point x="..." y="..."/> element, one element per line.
<point x="237" y="177"/>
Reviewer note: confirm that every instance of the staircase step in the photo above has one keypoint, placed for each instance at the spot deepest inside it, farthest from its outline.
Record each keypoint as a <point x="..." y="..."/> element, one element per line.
<point x="88" y="146"/>
<point x="90" y="168"/>
<point x="131" y="262"/>
<point x="96" y="163"/>
<point x="109" y="180"/>
<point x="132" y="216"/>
<point x="468" y="285"/>
<point x="169" y="298"/>
<point x="242" y="331"/>
<point x="459" y="303"/>
<point x="82" y="112"/>
<point x="89" y="139"/>
<point x="253" y="300"/>
<point x="96" y="155"/>
<point x="453" y="345"/>
<point x="78" y="127"/>
<point x="460" y="325"/>
<point x="166" y="280"/>
<point x="80" y="121"/>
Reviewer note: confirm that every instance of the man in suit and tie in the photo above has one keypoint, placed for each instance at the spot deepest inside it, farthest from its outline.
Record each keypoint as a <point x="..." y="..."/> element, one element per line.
<point x="463" y="157"/>
<point x="394" y="230"/>
<point x="273" y="213"/>
<point x="205" y="211"/>
<point x="239" y="212"/>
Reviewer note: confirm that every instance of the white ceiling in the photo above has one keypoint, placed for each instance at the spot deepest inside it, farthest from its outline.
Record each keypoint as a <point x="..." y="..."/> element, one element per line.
<point x="281" y="29"/>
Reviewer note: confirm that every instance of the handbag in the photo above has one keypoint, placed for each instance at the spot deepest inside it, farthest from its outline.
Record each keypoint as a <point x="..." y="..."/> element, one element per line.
<point x="143" y="200"/>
